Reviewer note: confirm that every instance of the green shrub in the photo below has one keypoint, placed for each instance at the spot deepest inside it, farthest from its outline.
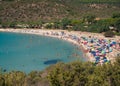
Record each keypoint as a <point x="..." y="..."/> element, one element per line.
<point x="117" y="33"/>
<point x="116" y="15"/>
<point x="109" y="34"/>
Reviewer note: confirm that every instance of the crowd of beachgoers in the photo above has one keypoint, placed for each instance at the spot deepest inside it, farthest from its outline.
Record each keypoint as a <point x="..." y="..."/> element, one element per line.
<point x="96" y="47"/>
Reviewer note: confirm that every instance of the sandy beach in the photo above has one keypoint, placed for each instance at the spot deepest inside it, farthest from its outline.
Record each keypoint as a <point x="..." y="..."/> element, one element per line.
<point x="71" y="36"/>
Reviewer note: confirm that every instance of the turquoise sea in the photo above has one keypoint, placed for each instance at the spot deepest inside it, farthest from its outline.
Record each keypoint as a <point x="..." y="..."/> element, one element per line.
<point x="26" y="52"/>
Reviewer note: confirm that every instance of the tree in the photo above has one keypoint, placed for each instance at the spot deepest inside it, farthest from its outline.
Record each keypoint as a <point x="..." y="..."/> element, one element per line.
<point x="14" y="78"/>
<point x="56" y="25"/>
<point x="116" y="15"/>
<point x="117" y="25"/>
<point x="13" y="24"/>
<point x="89" y="18"/>
<point x="2" y="81"/>
<point x="0" y="21"/>
<point x="65" y="22"/>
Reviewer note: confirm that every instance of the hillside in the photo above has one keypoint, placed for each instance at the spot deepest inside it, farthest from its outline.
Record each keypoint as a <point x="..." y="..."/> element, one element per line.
<point x="48" y="10"/>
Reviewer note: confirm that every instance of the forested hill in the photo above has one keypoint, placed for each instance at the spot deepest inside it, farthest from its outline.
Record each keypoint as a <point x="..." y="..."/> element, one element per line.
<point x="48" y="10"/>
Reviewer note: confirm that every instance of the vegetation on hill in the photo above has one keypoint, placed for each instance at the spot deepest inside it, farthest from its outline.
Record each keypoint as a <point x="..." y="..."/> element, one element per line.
<point x="60" y="14"/>
<point x="70" y="74"/>
<point x="50" y="10"/>
<point x="80" y="15"/>
<point x="89" y="23"/>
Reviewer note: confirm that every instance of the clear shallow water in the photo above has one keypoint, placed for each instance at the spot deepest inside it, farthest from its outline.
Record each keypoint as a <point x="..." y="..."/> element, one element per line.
<point x="25" y="52"/>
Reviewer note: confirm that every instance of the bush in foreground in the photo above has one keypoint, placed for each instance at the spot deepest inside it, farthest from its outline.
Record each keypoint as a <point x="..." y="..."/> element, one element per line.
<point x="71" y="74"/>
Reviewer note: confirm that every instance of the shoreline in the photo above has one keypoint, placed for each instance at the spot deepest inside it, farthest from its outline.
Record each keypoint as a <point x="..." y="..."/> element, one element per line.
<point x="67" y="36"/>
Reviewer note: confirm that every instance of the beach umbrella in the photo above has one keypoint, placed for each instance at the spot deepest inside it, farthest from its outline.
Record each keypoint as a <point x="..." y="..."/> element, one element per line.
<point x="110" y="49"/>
<point x="97" y="61"/>
<point x="97" y="57"/>
<point x="105" y="60"/>
<point x="114" y="42"/>
<point x="93" y="53"/>
<point x="97" y="54"/>
<point x="111" y="45"/>
<point x="99" y="49"/>
<point x="103" y="52"/>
